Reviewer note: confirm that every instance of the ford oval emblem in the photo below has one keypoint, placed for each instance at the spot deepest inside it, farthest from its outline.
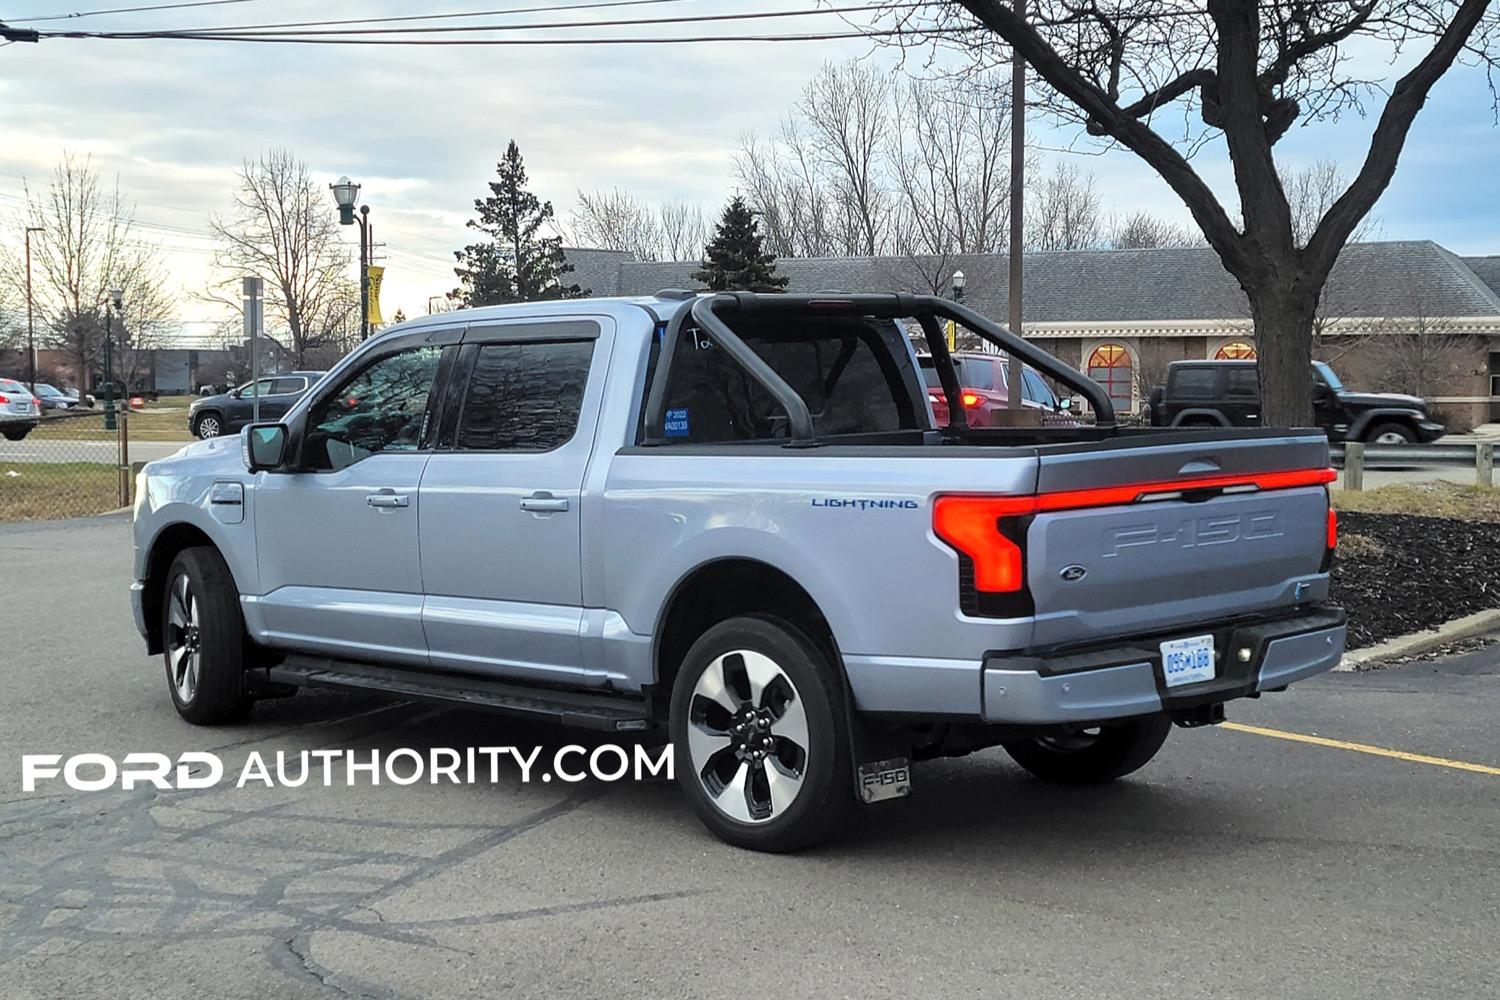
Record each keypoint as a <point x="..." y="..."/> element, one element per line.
<point x="1073" y="573"/>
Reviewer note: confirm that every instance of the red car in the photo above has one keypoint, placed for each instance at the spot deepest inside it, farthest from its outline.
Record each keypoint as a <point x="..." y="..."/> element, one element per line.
<point x="983" y="379"/>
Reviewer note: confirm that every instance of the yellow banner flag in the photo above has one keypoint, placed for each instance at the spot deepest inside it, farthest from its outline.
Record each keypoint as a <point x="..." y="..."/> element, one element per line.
<point x="373" y="313"/>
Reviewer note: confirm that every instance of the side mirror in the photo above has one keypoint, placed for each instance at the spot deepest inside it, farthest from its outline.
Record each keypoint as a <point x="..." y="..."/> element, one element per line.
<point x="1065" y="405"/>
<point x="264" y="446"/>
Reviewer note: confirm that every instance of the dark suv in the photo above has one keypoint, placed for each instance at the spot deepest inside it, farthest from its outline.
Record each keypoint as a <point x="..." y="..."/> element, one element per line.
<point x="227" y="412"/>
<point x="1227" y="394"/>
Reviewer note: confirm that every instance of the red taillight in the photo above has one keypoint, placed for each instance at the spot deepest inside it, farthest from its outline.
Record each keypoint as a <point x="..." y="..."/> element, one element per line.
<point x="1333" y="529"/>
<point x="4" y="399"/>
<point x="972" y="526"/>
<point x="971" y="399"/>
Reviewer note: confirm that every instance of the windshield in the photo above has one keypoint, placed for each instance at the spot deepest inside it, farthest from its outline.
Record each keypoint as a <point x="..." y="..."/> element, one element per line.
<point x="1328" y="376"/>
<point x="47" y="390"/>
<point x="6" y="385"/>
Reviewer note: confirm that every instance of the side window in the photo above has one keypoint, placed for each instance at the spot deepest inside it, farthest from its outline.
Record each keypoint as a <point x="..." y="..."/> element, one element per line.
<point x="1243" y="384"/>
<point x="250" y="390"/>
<point x="1035" y="389"/>
<point x="287" y="386"/>
<point x="525" y="396"/>
<point x="1193" y="383"/>
<point x="381" y="409"/>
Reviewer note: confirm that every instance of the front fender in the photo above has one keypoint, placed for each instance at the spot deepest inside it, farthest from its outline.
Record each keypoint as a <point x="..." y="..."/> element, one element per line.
<point x="1362" y="423"/>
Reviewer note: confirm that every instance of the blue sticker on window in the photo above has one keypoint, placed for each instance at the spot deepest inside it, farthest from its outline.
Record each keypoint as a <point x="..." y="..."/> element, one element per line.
<point x="677" y="423"/>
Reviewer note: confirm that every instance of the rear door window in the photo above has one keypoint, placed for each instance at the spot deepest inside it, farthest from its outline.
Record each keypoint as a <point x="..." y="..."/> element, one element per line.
<point x="288" y="386"/>
<point x="1242" y="383"/>
<point x="1194" y="383"/>
<point x="524" y="396"/>
<point x="855" y="376"/>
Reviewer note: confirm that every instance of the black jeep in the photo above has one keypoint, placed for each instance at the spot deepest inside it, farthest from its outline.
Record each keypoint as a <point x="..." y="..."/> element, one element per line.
<point x="1227" y="394"/>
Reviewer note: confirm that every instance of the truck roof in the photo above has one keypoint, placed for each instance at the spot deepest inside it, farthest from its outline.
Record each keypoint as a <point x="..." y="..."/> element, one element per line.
<point x="662" y="307"/>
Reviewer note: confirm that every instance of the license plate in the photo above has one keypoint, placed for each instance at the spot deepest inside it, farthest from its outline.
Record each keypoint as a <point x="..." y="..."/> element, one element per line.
<point x="24" y="407"/>
<point x="1187" y="661"/>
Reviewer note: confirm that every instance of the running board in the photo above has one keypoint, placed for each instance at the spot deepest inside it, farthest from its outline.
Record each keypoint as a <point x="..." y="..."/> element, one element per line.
<point x="581" y="709"/>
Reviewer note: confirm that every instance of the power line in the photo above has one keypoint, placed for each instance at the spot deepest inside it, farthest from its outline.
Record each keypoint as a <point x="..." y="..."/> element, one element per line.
<point x="127" y="10"/>
<point x="250" y="31"/>
<point x="549" y="9"/>
<point x="525" y="42"/>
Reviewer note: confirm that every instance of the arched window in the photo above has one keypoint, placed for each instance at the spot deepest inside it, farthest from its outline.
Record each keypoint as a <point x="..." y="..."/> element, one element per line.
<point x="1236" y="350"/>
<point x="1109" y="365"/>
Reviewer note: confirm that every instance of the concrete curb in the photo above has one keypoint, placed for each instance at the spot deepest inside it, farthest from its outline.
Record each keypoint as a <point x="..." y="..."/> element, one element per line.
<point x="1420" y="642"/>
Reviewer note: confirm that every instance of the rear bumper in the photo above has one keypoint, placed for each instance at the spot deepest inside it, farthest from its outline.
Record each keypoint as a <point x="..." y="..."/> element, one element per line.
<point x="1113" y="682"/>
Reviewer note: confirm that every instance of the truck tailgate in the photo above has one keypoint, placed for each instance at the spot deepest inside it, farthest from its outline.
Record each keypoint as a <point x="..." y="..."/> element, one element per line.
<point x="1218" y="528"/>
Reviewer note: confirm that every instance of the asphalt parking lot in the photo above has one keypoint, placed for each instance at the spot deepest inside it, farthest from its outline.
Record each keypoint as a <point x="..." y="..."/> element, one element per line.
<point x="1238" y="864"/>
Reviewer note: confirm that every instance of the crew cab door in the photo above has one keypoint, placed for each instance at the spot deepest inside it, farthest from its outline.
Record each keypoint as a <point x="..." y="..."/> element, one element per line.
<point x="337" y="543"/>
<point x="500" y="516"/>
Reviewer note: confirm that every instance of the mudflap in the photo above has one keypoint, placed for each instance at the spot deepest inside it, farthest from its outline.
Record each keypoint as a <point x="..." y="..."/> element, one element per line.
<point x="881" y="758"/>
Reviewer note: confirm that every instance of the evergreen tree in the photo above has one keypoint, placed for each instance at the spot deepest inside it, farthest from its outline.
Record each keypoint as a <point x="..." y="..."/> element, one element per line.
<point x="516" y="263"/>
<point x="735" y="260"/>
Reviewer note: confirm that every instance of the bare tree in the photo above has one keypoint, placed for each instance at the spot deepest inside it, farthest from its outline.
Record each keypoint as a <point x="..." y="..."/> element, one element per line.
<point x="282" y="231"/>
<point x="1063" y="211"/>
<point x="684" y="231"/>
<point x="1143" y="231"/>
<point x="819" y="184"/>
<point x="87" y="245"/>
<point x="847" y="108"/>
<point x="788" y="192"/>
<point x="948" y="160"/>
<point x="1153" y="359"/>
<point x="614" y="220"/>
<point x="1163" y="78"/>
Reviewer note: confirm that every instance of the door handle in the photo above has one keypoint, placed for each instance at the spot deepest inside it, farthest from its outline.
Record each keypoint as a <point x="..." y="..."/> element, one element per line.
<point x="543" y="501"/>
<point x="387" y="499"/>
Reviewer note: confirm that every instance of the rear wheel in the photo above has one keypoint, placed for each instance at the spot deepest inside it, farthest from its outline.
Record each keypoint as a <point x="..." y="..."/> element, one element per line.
<point x="15" y="433"/>
<point x="1391" y="433"/>
<point x="758" y="736"/>
<point x="1092" y="755"/>
<point x="203" y="639"/>
<point x="208" y="426"/>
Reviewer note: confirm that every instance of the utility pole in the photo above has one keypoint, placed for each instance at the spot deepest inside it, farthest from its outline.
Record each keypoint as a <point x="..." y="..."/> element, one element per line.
<point x="1014" y="395"/>
<point x="252" y="289"/>
<point x="30" y="312"/>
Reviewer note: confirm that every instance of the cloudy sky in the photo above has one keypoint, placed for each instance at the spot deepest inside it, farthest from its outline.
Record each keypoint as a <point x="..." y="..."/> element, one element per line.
<point x="421" y="128"/>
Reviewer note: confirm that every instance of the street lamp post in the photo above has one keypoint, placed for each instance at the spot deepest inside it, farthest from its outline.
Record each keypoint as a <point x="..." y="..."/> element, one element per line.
<point x="346" y="194"/>
<point x="30" y="310"/>
<point x="116" y="301"/>
<point x="957" y="282"/>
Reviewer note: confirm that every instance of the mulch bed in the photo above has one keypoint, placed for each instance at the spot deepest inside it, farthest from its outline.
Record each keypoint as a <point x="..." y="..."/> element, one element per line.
<point x="1401" y="573"/>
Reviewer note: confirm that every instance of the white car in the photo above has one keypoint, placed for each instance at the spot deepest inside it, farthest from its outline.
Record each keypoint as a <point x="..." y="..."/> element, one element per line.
<point x="20" y="411"/>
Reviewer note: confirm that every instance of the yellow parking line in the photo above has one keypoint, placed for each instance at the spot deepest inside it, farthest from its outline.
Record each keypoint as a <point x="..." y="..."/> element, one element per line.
<point x="1415" y="758"/>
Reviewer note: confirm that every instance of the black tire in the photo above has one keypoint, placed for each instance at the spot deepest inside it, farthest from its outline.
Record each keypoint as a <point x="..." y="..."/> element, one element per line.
<point x="204" y="634"/>
<point x="1391" y="429"/>
<point x="825" y="793"/>
<point x="15" y="433"/>
<point x="214" y="425"/>
<point x="1094" y="756"/>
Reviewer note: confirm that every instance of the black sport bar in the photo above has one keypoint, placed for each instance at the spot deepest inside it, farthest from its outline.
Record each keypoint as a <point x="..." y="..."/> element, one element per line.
<point x="706" y="312"/>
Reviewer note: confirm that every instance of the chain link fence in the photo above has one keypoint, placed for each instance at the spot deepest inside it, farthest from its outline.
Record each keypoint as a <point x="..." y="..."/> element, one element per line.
<point x="69" y="465"/>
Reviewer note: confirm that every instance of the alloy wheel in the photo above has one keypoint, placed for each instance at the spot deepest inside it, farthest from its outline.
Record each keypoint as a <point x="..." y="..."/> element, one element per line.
<point x="1391" y="437"/>
<point x="208" y="427"/>
<point x="184" y="639"/>
<point x="747" y="736"/>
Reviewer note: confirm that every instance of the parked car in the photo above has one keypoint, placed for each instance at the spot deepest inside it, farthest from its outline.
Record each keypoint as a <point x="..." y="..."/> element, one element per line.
<point x="227" y="412"/>
<point x="1227" y="394"/>
<point x="84" y="399"/>
<point x="55" y="399"/>
<point x="20" y="411"/>
<point x="730" y="518"/>
<point x="984" y="381"/>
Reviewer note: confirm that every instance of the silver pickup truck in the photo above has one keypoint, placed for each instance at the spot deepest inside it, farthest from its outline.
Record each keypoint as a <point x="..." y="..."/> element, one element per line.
<point x="734" y="518"/>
